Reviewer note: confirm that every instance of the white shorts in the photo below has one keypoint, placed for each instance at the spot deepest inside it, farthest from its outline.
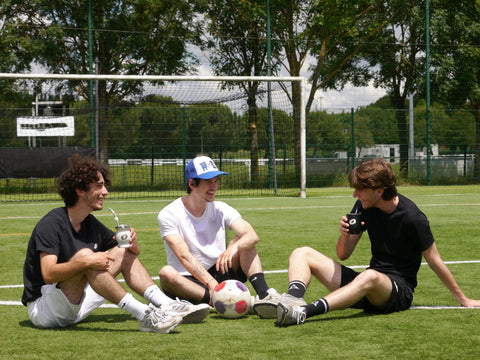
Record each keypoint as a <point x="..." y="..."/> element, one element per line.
<point x="53" y="309"/>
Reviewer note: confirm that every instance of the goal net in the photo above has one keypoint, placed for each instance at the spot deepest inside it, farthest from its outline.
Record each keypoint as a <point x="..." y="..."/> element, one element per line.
<point x="146" y="128"/>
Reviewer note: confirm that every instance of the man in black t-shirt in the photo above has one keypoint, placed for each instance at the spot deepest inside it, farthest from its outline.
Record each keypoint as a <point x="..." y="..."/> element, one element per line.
<point x="399" y="234"/>
<point x="72" y="262"/>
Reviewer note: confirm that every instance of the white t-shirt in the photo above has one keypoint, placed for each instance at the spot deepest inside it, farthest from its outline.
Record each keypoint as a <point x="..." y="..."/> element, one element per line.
<point x="205" y="235"/>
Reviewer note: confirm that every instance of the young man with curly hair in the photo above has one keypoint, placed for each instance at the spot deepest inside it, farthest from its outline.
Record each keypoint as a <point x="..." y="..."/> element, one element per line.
<point x="72" y="261"/>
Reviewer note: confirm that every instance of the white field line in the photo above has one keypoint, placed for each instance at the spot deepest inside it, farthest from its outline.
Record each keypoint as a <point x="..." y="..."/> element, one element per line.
<point x="241" y="209"/>
<point x="419" y="307"/>
<point x="285" y="270"/>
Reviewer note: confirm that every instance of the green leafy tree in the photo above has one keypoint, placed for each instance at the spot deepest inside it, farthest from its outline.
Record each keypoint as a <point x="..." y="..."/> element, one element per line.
<point x="159" y="130"/>
<point x="238" y="46"/>
<point x="397" y="60"/>
<point x="327" y="133"/>
<point x="456" y="61"/>
<point x="382" y="119"/>
<point x="452" y="130"/>
<point x="210" y="129"/>
<point x="129" y="37"/>
<point x="326" y="36"/>
<point x="283" y="125"/>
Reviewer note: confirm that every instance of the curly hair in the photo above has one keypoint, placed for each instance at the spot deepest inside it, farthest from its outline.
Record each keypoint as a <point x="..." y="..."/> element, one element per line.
<point x="81" y="172"/>
<point x="374" y="174"/>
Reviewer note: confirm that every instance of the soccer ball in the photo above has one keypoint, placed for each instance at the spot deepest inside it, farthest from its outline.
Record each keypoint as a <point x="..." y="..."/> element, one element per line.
<point x="231" y="299"/>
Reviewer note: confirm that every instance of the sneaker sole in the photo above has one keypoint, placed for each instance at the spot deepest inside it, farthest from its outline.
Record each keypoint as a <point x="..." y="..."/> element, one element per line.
<point x="280" y="315"/>
<point x="266" y="310"/>
<point x="196" y="316"/>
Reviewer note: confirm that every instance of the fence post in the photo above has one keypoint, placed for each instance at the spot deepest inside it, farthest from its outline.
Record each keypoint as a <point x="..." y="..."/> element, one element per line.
<point x="352" y="139"/>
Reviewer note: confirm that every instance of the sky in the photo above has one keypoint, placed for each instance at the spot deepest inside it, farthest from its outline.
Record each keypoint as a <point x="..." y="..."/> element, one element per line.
<point x="330" y="101"/>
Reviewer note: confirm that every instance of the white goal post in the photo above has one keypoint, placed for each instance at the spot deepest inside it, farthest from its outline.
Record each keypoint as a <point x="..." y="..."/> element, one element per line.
<point x="173" y="78"/>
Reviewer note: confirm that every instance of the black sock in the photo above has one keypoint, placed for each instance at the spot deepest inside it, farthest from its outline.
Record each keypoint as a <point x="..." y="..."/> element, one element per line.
<point x="206" y="297"/>
<point x="317" y="307"/>
<point x="259" y="284"/>
<point x="297" y="288"/>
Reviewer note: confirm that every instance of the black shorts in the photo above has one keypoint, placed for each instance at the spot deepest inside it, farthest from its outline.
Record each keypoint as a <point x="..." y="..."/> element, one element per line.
<point x="217" y="275"/>
<point x="400" y="299"/>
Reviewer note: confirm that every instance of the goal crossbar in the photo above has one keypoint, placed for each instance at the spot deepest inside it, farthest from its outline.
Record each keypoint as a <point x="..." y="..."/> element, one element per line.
<point x="299" y="79"/>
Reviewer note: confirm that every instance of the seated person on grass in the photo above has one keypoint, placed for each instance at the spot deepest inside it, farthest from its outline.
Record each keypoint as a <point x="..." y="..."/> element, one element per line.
<point x="193" y="229"/>
<point x="73" y="260"/>
<point x="399" y="234"/>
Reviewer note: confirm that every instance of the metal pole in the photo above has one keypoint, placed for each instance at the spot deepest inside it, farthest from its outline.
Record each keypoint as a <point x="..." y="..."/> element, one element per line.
<point x="303" y="142"/>
<point x="90" y="65"/>
<point x="427" y="75"/>
<point x="184" y="144"/>
<point x="273" y="168"/>
<point x="411" y="129"/>
<point x="97" y="115"/>
<point x="352" y="139"/>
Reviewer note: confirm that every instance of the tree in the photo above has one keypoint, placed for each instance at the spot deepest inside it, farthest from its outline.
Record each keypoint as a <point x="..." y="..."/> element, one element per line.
<point x="16" y="51"/>
<point x="160" y="127"/>
<point x="283" y="124"/>
<point x="129" y="37"/>
<point x="383" y="123"/>
<point x="327" y="35"/>
<point x="397" y="61"/>
<point x="456" y="61"/>
<point x="210" y="129"/>
<point x="238" y="47"/>
<point x="327" y="133"/>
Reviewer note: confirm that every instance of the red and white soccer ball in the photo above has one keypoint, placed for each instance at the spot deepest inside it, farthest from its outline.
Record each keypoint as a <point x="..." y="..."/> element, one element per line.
<point x="231" y="299"/>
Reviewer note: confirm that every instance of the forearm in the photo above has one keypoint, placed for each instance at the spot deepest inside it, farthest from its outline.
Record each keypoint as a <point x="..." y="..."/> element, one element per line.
<point x="444" y="274"/>
<point x="345" y="245"/>
<point x="64" y="271"/>
<point x="198" y="271"/>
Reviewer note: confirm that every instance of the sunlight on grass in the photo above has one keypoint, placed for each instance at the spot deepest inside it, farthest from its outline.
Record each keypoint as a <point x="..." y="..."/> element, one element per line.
<point x="282" y="224"/>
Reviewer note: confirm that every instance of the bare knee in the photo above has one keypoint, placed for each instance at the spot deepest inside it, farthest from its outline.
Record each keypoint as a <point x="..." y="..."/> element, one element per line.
<point x="368" y="279"/>
<point x="306" y="254"/>
<point x="167" y="274"/>
<point x="82" y="252"/>
<point x="301" y="252"/>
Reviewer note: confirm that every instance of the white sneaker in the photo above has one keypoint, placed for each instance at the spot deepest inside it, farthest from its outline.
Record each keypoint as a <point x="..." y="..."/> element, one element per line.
<point x="189" y="312"/>
<point x="266" y="308"/>
<point x="291" y="300"/>
<point x="156" y="320"/>
<point x="290" y="315"/>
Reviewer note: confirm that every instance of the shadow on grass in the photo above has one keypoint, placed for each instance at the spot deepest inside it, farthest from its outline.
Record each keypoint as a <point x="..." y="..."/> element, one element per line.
<point x="360" y="314"/>
<point x="89" y="323"/>
<point x="322" y="318"/>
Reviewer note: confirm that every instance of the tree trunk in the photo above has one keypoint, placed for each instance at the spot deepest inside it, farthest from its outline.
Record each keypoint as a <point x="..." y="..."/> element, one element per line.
<point x="476" y="166"/>
<point x="296" y="88"/>
<point x="401" y="117"/>
<point x="252" y="125"/>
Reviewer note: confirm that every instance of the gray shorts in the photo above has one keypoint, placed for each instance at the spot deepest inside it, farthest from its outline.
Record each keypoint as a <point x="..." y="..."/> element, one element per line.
<point x="400" y="299"/>
<point x="53" y="310"/>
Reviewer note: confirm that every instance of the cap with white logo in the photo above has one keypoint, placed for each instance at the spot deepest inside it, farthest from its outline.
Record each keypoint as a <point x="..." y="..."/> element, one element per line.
<point x="202" y="167"/>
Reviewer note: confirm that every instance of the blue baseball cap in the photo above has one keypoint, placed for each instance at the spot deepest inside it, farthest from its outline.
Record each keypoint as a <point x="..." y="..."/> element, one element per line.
<point x="202" y="167"/>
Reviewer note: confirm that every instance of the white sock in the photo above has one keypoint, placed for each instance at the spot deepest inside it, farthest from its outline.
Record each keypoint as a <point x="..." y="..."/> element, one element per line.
<point x="156" y="296"/>
<point x="133" y="306"/>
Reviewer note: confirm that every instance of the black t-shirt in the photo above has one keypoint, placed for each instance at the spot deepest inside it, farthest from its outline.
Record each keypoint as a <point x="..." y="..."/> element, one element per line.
<point x="54" y="234"/>
<point x="397" y="239"/>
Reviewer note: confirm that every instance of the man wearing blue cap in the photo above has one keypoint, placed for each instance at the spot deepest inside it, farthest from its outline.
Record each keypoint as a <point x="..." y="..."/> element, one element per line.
<point x="193" y="230"/>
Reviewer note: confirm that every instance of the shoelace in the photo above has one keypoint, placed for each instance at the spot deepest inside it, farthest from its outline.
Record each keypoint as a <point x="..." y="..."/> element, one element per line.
<point x="179" y="305"/>
<point x="159" y="314"/>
